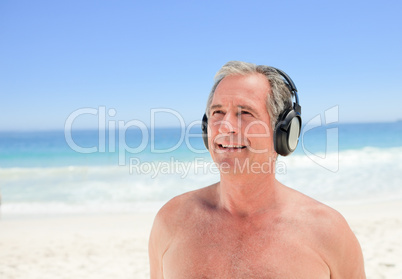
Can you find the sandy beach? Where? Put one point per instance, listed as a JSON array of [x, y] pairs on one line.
[[91, 246], [115, 245]]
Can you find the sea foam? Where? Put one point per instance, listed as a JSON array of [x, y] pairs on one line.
[[350, 175]]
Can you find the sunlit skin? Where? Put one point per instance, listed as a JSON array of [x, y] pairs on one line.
[[238, 117], [249, 225]]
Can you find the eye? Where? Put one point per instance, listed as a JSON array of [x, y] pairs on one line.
[[217, 112], [244, 112]]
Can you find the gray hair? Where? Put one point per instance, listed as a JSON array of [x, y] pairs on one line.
[[278, 101]]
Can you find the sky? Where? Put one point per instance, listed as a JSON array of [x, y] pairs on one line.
[[86, 62]]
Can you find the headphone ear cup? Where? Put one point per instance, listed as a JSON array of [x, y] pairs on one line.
[[279, 135], [204, 128], [287, 132]]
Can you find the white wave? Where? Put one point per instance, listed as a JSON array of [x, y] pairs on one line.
[[366, 174], [369, 173]]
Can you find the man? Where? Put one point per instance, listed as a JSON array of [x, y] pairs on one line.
[[249, 225]]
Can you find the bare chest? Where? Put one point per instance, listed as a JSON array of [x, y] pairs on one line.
[[226, 251]]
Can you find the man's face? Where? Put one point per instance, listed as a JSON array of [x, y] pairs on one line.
[[239, 124]]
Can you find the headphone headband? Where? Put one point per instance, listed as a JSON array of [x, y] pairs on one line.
[[290, 83]]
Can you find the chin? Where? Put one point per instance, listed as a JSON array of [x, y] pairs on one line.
[[232, 164]]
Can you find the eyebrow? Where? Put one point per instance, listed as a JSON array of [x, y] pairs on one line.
[[215, 107], [245, 107], [249, 109]]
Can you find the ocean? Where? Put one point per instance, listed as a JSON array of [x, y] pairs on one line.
[[91, 171]]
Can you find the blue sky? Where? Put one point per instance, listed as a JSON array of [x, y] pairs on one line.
[[134, 56]]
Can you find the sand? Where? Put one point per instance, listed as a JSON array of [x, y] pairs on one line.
[[115, 245], [104, 246]]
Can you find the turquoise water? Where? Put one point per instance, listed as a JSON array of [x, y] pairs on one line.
[[50, 149], [41, 173]]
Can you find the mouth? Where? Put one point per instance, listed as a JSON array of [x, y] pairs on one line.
[[231, 147]]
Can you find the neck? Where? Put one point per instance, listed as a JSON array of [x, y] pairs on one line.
[[248, 195]]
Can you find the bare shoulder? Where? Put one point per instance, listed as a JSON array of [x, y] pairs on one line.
[[169, 220], [170, 217], [339, 244], [186, 204], [311, 211], [331, 235]]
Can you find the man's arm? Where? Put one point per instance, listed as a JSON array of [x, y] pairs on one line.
[[161, 236], [345, 254], [154, 250]]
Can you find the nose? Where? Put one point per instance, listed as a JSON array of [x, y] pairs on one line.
[[229, 124]]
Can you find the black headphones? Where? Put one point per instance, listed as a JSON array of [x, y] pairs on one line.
[[287, 128]]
